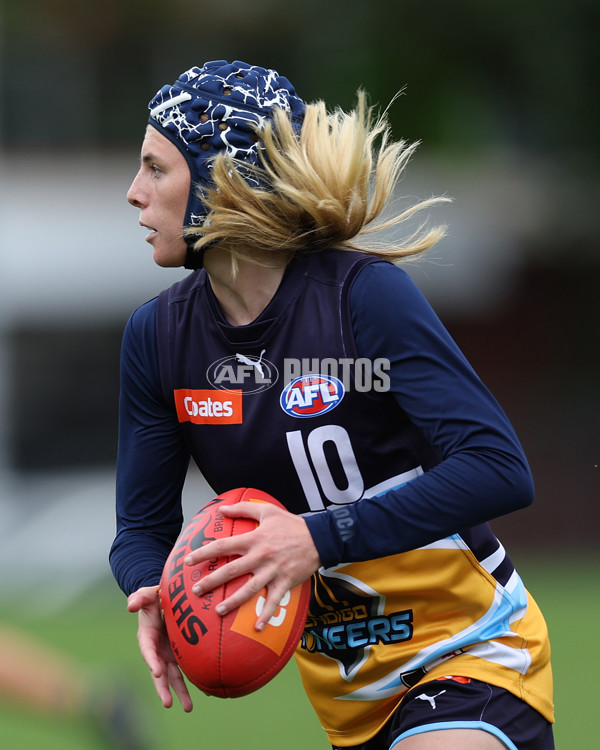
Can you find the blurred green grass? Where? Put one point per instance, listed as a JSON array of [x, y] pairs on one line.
[[97, 631]]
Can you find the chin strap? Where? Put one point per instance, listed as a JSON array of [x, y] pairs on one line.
[[194, 259]]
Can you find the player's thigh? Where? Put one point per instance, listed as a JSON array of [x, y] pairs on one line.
[[451, 739]]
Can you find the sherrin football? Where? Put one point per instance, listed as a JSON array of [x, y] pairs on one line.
[[225, 655]]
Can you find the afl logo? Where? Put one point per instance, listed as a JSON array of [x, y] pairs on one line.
[[311, 395], [240, 372]]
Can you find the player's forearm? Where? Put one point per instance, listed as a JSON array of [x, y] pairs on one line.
[[461, 492]]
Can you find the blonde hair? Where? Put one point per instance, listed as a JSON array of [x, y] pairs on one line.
[[325, 188]]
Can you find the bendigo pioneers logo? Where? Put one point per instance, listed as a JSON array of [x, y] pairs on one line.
[[347, 618], [311, 395], [204, 406]]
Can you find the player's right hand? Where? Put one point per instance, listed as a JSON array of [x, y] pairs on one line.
[[156, 649]]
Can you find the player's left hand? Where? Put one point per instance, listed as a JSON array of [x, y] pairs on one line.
[[279, 554], [156, 649]]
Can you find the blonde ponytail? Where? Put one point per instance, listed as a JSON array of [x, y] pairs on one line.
[[327, 187]]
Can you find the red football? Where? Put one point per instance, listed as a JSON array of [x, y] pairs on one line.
[[225, 655]]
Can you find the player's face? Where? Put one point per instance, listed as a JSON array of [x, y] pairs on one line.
[[160, 190]]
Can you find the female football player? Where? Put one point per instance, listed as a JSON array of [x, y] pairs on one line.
[[298, 358]]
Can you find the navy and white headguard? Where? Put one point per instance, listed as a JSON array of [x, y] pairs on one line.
[[218, 108]]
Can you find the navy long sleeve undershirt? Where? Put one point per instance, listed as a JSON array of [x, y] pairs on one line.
[[483, 473], [152, 461]]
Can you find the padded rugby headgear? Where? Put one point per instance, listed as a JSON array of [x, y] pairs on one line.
[[218, 108]]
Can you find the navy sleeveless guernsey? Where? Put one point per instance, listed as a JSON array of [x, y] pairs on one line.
[[330, 437]]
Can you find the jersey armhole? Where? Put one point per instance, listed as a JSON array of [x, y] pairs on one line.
[[163, 344], [348, 332], [349, 340]]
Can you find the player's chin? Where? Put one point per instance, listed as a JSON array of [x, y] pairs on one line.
[[168, 258]]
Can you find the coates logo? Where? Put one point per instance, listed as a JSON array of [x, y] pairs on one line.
[[311, 395], [203, 406], [239, 372]]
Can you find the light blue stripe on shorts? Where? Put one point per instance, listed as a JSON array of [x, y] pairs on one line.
[[458, 725]]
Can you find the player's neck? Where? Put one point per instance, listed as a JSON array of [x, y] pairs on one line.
[[244, 295]]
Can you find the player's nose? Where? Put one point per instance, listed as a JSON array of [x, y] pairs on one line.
[[135, 194]]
